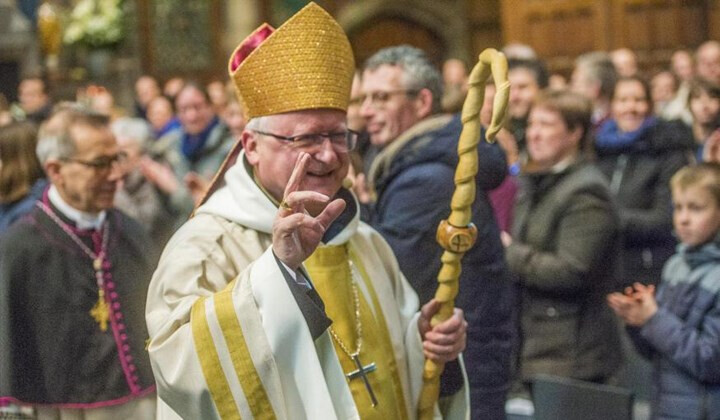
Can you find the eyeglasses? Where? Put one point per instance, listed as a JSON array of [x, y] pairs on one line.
[[101, 164], [342, 141], [380, 98]]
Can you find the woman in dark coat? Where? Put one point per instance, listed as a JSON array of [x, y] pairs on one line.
[[562, 250], [21, 176], [638, 155], [704, 104]]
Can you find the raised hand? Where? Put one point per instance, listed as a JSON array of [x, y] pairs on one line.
[[296, 233]]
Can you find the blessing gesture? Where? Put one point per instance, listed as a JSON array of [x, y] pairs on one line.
[[296, 233]]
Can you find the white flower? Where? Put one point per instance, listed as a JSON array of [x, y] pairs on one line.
[[95, 23]]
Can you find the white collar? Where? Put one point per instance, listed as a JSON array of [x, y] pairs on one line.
[[82, 219]]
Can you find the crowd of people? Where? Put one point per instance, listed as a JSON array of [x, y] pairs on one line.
[[600, 190]]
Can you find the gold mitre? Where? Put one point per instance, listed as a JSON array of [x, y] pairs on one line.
[[307, 63]]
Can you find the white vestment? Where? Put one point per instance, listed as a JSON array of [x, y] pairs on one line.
[[223, 256]]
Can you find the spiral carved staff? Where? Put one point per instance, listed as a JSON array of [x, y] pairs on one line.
[[457, 233]]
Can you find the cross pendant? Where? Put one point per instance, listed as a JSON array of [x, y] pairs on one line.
[[101, 312], [362, 372]]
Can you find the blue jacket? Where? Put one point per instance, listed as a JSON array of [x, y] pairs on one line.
[[683, 338], [414, 185], [10, 212]]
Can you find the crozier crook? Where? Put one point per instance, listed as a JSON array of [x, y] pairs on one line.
[[457, 233]]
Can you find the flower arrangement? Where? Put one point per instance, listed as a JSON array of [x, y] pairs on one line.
[[95, 24]]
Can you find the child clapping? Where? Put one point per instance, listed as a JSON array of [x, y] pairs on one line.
[[679, 330]]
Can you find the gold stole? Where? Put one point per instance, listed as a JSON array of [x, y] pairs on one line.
[[329, 271]]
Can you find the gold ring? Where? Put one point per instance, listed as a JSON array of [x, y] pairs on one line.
[[285, 206]]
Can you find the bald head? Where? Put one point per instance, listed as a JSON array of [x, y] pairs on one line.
[[682, 65], [625, 62], [708, 61]]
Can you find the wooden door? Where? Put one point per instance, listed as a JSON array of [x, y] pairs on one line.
[[390, 31]]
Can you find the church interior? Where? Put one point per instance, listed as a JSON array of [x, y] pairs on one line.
[[193, 39], [167, 38]]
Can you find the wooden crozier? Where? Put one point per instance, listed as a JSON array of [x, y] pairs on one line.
[[457, 234]]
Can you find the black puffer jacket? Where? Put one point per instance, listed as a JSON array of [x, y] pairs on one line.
[[639, 176], [414, 184]]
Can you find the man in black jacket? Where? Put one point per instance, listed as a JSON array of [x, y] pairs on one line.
[[74, 275], [411, 180]]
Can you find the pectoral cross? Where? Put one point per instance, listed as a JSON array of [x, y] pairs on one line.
[[362, 372], [101, 311]]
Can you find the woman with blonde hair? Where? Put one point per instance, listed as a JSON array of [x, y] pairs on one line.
[[21, 176]]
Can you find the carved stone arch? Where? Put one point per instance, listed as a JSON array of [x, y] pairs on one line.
[[438, 24]]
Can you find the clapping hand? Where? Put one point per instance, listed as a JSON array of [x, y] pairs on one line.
[[711, 152], [160, 175], [197, 186], [636, 305], [296, 233], [359, 185]]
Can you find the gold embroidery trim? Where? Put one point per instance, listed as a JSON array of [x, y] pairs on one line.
[[210, 363], [248, 376], [383, 330]]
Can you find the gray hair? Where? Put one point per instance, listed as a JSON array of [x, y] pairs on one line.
[[256, 124], [600, 69], [135, 129], [54, 139], [418, 72]]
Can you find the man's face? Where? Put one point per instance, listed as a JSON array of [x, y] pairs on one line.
[[159, 112], [81, 182], [581, 83], [274, 159], [663, 88], [625, 62], [32, 95], [146, 89], [234, 118], [682, 65], [454, 73], [216, 91], [389, 109], [523, 90], [194, 111], [708, 63]]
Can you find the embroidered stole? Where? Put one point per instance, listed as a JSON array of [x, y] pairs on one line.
[[329, 270]]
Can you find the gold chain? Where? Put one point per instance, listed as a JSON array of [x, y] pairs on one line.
[[358, 322]]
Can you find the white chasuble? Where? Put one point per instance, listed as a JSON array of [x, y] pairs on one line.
[[228, 339]]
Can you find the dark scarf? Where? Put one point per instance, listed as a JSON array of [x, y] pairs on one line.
[[609, 136], [192, 144]]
